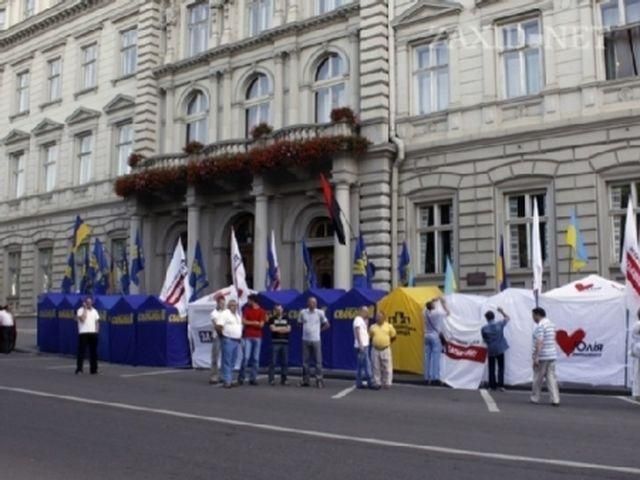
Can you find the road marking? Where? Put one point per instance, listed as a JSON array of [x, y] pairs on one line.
[[155, 372], [488, 399], [629, 400], [505, 457], [344, 392], [59, 367]]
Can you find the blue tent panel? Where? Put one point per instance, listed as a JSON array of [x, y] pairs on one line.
[[68, 324], [178, 349], [47, 322], [151, 333], [105, 305]]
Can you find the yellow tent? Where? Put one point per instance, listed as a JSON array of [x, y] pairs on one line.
[[404, 308]]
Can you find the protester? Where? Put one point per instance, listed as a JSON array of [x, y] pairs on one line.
[[253, 319], [229, 328], [214, 378], [280, 329], [88, 328], [313, 322], [7, 329], [433, 336], [635, 353], [361, 345], [382, 336], [493, 336], [544, 357]]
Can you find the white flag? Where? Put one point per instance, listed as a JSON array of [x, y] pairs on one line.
[[175, 290], [536, 256], [630, 262], [238, 273]]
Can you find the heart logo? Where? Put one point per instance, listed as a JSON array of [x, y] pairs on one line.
[[568, 343], [581, 287]]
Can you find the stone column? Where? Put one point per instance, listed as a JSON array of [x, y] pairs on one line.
[[214, 80], [344, 174], [193, 223], [226, 106], [169, 126], [294, 87], [292, 13], [261, 225], [278, 91], [278, 13]]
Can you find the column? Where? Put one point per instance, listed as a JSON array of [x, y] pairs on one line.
[[213, 105], [292, 13], [135, 226], [226, 106], [294, 87], [278, 91], [193, 223], [261, 225], [278, 14], [354, 70], [341, 253], [169, 126]]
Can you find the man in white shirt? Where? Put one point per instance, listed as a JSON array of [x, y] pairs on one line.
[[87, 335], [7, 330], [361, 344], [544, 357], [229, 328], [314, 322], [215, 341]]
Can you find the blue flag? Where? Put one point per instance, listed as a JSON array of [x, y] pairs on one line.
[[310, 274], [101, 267], [137, 261], [363, 270], [123, 265], [272, 280], [86, 282], [198, 276], [405, 273], [69, 279]]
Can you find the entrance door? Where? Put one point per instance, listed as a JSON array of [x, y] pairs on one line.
[[320, 244]]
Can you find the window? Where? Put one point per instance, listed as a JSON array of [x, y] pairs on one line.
[[197, 111], [49, 167], [259, 16], [45, 269], [17, 163], [431, 75], [3, 18], [124, 147], [29, 8], [522, 58], [330, 88], [198, 28], [85, 147], [13, 263], [619, 196], [22, 82], [519, 225], [89, 66], [257, 102], [621, 38], [435, 230], [54, 79], [324, 6], [320, 228], [128, 52]]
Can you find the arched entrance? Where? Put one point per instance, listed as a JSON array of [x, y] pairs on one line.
[[243, 225], [320, 243]]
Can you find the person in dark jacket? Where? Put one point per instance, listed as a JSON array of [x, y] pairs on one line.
[[493, 336]]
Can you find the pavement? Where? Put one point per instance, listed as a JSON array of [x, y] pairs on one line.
[[153, 423]]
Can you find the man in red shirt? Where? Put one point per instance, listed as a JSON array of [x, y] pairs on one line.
[[253, 319]]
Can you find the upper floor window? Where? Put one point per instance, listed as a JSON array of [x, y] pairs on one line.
[[431, 75], [197, 112], [17, 174], [260, 12], [128, 52], [50, 159], [519, 223], [54, 79], [29, 8], [85, 157], [22, 91], [3, 19], [89, 66], [620, 194], [124, 147], [330, 87], [198, 28], [435, 232], [257, 102], [324, 6], [45, 269], [522, 58], [621, 38], [14, 258]]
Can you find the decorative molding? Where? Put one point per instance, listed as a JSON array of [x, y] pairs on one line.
[[82, 115], [16, 136], [426, 10], [119, 102], [45, 126], [21, 60]]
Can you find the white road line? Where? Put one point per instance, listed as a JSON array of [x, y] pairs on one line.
[[60, 367], [505, 457], [155, 372], [629, 400], [344, 392], [488, 399]]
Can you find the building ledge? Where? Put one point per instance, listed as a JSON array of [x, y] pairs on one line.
[[16, 116], [85, 91], [123, 78], [46, 105]]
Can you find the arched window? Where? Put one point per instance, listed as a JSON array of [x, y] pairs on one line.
[[196, 117], [320, 228], [320, 244], [329, 86], [257, 102]]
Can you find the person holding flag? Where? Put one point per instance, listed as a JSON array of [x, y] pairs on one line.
[[137, 260], [433, 336], [273, 269], [198, 276]]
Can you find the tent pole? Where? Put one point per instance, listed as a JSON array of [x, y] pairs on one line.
[[626, 350]]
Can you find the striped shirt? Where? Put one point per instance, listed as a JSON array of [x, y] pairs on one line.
[[545, 330]]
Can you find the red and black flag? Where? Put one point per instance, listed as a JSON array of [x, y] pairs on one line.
[[333, 208]]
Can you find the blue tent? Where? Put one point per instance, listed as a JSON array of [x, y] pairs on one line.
[[104, 304], [268, 301], [341, 315], [325, 298], [68, 324], [48, 333], [161, 335], [122, 329]]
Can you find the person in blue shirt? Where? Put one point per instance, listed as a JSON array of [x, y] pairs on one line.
[[493, 336]]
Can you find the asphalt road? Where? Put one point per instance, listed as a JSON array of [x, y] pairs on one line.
[[139, 423]]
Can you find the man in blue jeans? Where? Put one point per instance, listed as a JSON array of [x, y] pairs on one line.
[[253, 319], [229, 328], [493, 336], [433, 329], [361, 344]]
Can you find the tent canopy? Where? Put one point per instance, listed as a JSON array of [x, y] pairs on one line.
[[325, 297], [268, 300], [588, 289]]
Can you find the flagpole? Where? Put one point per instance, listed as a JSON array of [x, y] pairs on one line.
[[570, 262]]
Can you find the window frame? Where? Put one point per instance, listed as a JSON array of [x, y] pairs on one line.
[[83, 156], [54, 77], [257, 103], [49, 166], [17, 173], [88, 65], [122, 161], [613, 258], [28, 8], [198, 27], [41, 248], [199, 118], [528, 221], [23, 93], [13, 287], [432, 71], [3, 18], [437, 229], [521, 49], [128, 66], [333, 4], [265, 14], [328, 84]]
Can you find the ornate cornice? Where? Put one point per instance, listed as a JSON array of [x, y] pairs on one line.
[[265, 38]]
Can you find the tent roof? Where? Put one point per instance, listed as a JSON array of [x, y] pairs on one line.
[[107, 301], [54, 298], [588, 288], [325, 297], [283, 297], [419, 295], [359, 297], [136, 300]]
